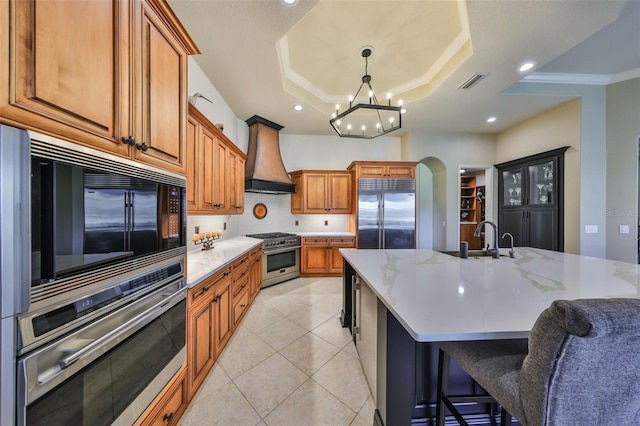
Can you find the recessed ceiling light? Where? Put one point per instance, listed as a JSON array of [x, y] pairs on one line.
[[526, 66], [297, 107], [289, 1], [491, 119], [462, 170]]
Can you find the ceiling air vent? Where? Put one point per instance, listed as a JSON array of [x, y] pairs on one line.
[[473, 80]]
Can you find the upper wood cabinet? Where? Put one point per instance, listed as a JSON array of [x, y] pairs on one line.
[[108, 74], [384, 169], [215, 171], [322, 191]]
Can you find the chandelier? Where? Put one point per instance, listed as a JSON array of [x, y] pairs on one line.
[[364, 119]]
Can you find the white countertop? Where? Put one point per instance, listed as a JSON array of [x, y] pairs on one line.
[[437, 297], [326, 234], [203, 263]]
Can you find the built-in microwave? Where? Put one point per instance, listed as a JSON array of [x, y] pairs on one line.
[[92, 218]]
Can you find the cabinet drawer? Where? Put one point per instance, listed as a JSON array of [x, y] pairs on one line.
[[241, 303], [240, 284], [315, 241], [342, 242], [199, 292], [170, 406]]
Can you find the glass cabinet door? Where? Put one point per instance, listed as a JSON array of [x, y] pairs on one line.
[[541, 190], [512, 187]]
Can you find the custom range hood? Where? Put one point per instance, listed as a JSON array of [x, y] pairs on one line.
[[264, 170]]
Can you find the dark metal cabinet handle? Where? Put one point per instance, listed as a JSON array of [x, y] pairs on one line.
[[129, 140], [142, 146], [167, 417]]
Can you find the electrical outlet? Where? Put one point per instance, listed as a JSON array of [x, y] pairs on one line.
[[197, 229], [296, 223], [326, 223], [591, 229], [224, 226], [624, 229]]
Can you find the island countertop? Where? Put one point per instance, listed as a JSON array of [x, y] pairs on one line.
[[204, 263], [437, 297]]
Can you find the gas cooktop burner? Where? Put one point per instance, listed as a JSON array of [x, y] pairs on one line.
[[268, 235]]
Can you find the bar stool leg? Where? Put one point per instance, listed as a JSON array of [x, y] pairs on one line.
[[505, 417], [443, 383]]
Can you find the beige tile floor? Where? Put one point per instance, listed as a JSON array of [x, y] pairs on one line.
[[290, 362]]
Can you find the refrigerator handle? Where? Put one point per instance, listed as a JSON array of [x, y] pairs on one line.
[[381, 240]]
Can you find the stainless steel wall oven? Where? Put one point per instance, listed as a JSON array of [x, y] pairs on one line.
[[92, 276]]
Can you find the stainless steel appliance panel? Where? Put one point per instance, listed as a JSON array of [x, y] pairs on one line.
[[386, 213], [98, 373], [280, 265], [14, 256]]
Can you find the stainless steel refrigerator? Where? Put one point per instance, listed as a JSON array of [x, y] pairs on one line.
[[386, 213]]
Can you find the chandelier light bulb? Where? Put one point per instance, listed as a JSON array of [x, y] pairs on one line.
[[334, 115], [391, 120], [389, 98], [370, 93], [338, 123], [348, 126], [402, 111], [364, 127], [400, 102], [350, 98]]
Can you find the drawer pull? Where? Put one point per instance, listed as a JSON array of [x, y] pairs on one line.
[[167, 417]]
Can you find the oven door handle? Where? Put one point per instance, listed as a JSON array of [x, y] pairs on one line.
[[282, 250], [125, 330]]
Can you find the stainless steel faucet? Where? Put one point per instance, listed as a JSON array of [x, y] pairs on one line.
[[495, 252], [512, 253]]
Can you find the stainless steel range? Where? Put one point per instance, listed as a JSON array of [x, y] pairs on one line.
[[281, 257]]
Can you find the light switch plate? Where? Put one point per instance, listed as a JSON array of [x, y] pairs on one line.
[[624, 229], [591, 229]]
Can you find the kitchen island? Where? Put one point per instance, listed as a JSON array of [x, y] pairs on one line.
[[402, 302]]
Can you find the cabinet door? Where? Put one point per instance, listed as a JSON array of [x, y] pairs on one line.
[[315, 256], [512, 194], [339, 193], [205, 165], [201, 345], [193, 158], [315, 192], [255, 273], [335, 258], [541, 184], [163, 105], [405, 172], [372, 171], [171, 404], [220, 187], [297, 198], [222, 316], [542, 228], [236, 182], [512, 221], [68, 69]]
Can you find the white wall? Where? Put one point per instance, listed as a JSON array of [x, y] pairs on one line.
[[623, 133], [554, 128], [592, 180], [451, 150]]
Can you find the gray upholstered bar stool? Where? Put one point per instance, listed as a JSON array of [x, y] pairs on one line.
[[582, 366]]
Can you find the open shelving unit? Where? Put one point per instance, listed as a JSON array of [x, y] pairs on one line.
[[470, 212]]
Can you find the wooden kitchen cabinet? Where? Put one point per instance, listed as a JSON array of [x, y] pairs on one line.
[[209, 325], [170, 404], [215, 174], [321, 256], [255, 272], [240, 287], [108, 74], [322, 192], [384, 169]]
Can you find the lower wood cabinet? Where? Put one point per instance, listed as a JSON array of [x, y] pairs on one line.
[[209, 325], [255, 272], [171, 403], [321, 255]]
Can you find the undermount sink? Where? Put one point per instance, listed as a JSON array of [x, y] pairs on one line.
[[472, 253]]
